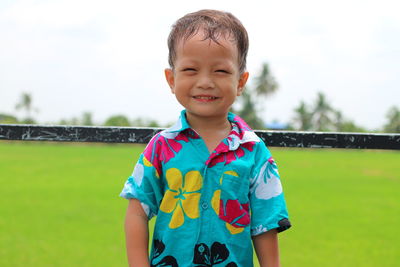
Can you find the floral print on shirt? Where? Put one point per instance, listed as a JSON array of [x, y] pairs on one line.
[[207, 205], [182, 197], [170, 147], [235, 214]]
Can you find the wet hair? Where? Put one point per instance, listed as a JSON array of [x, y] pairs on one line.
[[214, 24]]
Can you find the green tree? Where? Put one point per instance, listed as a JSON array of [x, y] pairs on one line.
[[25, 103], [322, 114], [349, 126], [339, 120], [393, 117], [342, 124], [249, 111], [63, 122], [152, 123], [72, 121], [28, 121], [8, 119], [251, 101], [117, 120], [87, 118], [323, 117], [303, 117], [140, 122], [265, 83]]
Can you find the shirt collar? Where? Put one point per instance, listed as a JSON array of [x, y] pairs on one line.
[[181, 125], [241, 132]]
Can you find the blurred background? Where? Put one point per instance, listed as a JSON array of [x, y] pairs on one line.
[[314, 65]]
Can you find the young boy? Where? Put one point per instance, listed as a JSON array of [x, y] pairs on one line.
[[209, 179]]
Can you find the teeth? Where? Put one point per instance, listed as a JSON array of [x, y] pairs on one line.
[[205, 97]]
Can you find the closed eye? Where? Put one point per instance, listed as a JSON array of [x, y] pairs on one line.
[[223, 71], [188, 69]]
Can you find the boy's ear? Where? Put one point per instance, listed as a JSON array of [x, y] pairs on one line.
[[169, 76], [242, 82]]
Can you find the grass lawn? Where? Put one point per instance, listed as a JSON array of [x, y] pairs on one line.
[[59, 205]]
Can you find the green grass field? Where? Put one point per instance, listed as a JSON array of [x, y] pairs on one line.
[[59, 205]]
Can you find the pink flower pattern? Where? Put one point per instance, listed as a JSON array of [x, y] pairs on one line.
[[161, 149], [242, 124], [223, 153], [234, 213]]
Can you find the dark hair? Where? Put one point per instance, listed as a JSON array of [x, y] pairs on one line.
[[214, 23]]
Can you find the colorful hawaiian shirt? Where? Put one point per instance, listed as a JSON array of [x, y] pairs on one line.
[[208, 205]]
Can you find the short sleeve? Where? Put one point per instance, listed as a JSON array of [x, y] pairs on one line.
[[145, 185], [267, 202]]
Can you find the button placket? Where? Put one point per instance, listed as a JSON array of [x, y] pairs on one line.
[[204, 204]]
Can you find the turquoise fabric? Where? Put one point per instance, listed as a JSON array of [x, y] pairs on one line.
[[208, 205]]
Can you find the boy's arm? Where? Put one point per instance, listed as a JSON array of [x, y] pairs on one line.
[[267, 249], [137, 235]]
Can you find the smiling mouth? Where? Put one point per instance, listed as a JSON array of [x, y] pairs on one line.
[[205, 98]]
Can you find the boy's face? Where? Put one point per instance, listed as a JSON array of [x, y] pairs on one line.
[[206, 79]]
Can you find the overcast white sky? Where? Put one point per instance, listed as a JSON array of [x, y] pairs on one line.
[[108, 57]]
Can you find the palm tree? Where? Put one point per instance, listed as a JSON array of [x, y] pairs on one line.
[[26, 104], [339, 120], [265, 83], [251, 99], [322, 112], [303, 117], [249, 111]]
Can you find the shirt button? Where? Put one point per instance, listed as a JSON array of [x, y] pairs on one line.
[[204, 205]]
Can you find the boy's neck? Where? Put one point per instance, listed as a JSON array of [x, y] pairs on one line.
[[212, 130], [209, 124]]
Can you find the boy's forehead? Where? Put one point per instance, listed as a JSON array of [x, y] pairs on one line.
[[205, 34], [223, 39], [221, 46]]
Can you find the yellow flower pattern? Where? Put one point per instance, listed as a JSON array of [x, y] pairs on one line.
[[182, 196]]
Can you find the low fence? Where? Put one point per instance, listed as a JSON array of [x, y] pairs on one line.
[[143, 135]]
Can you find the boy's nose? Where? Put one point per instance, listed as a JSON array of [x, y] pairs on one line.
[[205, 82]]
